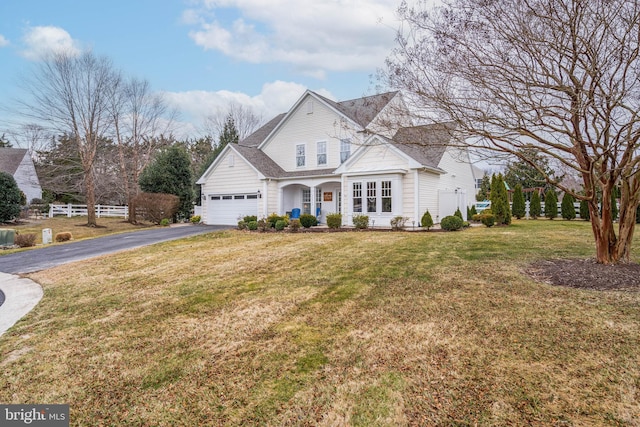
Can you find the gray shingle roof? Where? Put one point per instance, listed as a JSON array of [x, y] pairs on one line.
[[10, 159], [362, 110], [426, 144]]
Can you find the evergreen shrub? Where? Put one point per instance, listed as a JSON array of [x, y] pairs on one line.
[[334, 220], [426, 220], [361, 222], [451, 223], [308, 220], [567, 210]]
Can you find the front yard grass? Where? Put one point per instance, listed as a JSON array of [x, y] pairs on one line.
[[361, 328]]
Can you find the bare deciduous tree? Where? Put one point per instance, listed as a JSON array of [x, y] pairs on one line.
[[558, 76], [245, 120], [70, 94], [140, 117]]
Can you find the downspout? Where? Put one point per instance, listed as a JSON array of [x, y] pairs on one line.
[[416, 196]]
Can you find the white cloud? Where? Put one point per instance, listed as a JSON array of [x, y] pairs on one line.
[[41, 41], [275, 98], [3, 41], [314, 36]]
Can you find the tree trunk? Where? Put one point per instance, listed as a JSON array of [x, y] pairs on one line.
[[91, 197]]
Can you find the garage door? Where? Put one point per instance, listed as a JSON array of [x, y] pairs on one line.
[[227, 209]]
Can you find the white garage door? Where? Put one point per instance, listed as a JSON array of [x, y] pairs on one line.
[[227, 209]]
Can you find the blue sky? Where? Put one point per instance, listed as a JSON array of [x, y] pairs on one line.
[[203, 54]]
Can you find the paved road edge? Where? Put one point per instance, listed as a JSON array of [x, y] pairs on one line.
[[22, 295]]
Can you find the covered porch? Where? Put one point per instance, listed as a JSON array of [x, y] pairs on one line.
[[316, 197]]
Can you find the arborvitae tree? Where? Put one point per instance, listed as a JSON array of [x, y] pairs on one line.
[[584, 210], [458, 213], [471, 211], [519, 208], [10, 198], [500, 200], [170, 173], [535, 208], [426, 220], [567, 209], [550, 204]]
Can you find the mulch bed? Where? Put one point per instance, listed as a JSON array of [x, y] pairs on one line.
[[587, 274]]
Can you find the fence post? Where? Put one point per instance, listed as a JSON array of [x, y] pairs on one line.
[[69, 210], [98, 211]]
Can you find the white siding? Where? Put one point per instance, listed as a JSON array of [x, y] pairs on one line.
[[27, 179], [459, 173], [227, 179], [428, 190], [380, 157], [323, 124]]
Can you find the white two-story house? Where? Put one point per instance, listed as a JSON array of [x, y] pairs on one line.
[[347, 157]]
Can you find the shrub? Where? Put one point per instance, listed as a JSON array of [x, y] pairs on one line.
[[10, 198], [165, 222], [500, 200], [451, 223], [488, 219], [535, 208], [63, 237], [361, 222], [458, 213], [426, 220], [398, 223], [263, 225], [242, 225], [466, 224], [471, 211], [195, 219], [567, 210], [550, 204], [294, 225], [274, 217], [308, 220], [155, 207], [518, 207], [280, 225], [334, 220], [252, 225], [584, 211], [25, 240], [250, 218]]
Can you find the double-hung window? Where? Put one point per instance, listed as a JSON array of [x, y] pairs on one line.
[[386, 196], [300, 155], [345, 150], [371, 196], [322, 153], [357, 197]]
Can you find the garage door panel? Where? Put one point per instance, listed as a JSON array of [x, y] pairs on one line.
[[227, 209]]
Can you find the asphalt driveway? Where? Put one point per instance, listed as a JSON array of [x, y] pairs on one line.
[[57, 254]]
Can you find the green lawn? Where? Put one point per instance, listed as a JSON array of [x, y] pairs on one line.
[[362, 329]]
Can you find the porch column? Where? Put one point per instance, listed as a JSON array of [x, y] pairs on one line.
[[280, 200], [313, 200]]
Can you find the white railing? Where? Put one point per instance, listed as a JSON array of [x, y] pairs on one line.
[[70, 210]]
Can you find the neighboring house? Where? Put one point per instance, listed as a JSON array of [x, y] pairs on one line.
[[18, 163], [327, 157]]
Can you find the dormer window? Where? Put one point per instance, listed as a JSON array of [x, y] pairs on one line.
[[345, 150], [300, 155]]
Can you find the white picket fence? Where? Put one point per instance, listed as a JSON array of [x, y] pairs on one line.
[[70, 210]]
